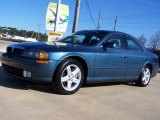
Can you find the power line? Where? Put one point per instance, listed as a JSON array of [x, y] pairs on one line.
[[89, 10], [151, 3], [73, 1], [138, 16]]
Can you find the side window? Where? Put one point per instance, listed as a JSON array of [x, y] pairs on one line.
[[117, 41], [79, 39], [132, 45], [94, 40]]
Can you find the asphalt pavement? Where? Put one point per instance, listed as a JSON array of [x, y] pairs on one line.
[[22, 100], [4, 44]]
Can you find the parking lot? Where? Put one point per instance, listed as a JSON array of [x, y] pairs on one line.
[[22, 100]]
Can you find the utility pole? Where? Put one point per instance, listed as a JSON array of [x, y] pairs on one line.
[[57, 15], [99, 17], [76, 16], [115, 23]]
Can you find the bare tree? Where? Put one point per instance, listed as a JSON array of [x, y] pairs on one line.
[[142, 39], [155, 41]]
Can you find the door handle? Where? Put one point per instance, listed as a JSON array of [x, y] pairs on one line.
[[123, 56]]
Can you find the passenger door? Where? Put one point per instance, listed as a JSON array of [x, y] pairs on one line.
[[136, 58], [111, 64]]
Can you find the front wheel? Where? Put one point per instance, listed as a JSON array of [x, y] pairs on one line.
[[145, 77], [68, 77]]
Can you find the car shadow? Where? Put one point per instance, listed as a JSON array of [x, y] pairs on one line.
[[13, 83], [10, 82], [108, 84]]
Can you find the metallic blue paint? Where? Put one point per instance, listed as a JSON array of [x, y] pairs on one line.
[[103, 65]]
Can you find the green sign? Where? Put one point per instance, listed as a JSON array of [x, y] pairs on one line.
[[62, 20]]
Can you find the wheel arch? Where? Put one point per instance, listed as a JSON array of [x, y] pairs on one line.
[[149, 65], [80, 60], [139, 82]]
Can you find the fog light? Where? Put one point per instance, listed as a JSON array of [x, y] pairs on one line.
[[26, 74]]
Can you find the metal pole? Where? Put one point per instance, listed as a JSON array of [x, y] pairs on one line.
[[115, 23], [99, 17], [57, 15], [76, 16]]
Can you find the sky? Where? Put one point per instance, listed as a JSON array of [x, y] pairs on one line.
[[135, 17]]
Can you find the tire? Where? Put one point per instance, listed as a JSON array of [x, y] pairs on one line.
[[144, 77], [68, 77]]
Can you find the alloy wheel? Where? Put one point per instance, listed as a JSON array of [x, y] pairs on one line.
[[146, 76], [71, 77]]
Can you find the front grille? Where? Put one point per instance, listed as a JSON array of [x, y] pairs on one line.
[[13, 70], [15, 51]]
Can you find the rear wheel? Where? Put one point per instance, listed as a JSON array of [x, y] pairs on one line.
[[68, 77], [145, 77]]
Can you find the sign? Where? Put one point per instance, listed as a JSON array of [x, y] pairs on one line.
[[62, 20], [53, 36]]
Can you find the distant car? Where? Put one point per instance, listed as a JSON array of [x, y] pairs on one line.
[[92, 56]]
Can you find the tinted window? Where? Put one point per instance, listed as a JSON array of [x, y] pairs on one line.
[[132, 44], [117, 40]]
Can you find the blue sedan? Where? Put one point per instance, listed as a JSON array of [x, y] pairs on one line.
[[92, 56]]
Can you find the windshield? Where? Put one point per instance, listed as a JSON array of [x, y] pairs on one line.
[[84, 37]]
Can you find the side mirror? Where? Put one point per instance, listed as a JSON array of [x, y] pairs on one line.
[[108, 45]]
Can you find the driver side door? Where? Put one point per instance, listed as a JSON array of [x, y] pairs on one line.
[[111, 63]]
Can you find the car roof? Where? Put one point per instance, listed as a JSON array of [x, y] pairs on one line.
[[107, 31]]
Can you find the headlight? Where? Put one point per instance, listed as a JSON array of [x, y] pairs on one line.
[[38, 54], [43, 55]]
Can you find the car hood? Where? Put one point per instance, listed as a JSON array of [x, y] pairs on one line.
[[53, 46]]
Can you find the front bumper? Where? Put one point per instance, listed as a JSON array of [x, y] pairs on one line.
[[15, 66]]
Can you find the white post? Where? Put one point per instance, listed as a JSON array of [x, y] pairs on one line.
[[57, 15]]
